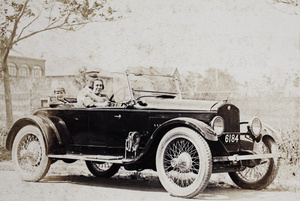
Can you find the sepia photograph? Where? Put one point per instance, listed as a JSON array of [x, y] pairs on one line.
[[149, 100]]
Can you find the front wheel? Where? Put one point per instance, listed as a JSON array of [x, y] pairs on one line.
[[29, 154], [183, 162], [102, 169], [261, 175]]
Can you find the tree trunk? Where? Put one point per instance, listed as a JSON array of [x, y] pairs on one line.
[[8, 99], [7, 91]]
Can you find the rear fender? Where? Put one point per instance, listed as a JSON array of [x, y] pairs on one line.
[[48, 129], [63, 132]]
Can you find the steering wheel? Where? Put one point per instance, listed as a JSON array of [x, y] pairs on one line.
[[111, 101]]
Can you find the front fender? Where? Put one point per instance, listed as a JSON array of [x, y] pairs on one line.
[[202, 128], [270, 131], [267, 130], [48, 129]]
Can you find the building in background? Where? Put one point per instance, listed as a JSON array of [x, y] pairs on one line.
[[25, 67], [30, 84], [23, 71]]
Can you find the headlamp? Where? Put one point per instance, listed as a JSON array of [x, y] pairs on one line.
[[218, 125], [255, 127]]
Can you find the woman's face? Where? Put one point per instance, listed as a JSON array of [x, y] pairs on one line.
[[97, 87]]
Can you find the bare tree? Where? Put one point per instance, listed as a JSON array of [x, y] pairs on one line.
[[21, 19]]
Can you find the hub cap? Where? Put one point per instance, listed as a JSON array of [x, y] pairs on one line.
[[183, 162]]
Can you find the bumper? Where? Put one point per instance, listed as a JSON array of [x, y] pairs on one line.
[[235, 158]]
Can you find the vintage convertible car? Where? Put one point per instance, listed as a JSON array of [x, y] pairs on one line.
[[149, 126]]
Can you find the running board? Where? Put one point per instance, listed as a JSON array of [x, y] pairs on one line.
[[98, 158], [237, 157]]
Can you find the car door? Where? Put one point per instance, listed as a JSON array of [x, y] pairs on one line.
[[106, 127], [76, 121], [137, 120]]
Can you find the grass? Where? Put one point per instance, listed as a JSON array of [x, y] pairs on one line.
[[289, 173], [5, 155]]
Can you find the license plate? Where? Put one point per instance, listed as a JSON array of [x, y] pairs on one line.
[[231, 138]]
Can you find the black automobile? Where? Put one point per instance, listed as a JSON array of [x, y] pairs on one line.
[[148, 125]]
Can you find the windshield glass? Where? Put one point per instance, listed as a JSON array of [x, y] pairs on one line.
[[152, 85], [144, 85]]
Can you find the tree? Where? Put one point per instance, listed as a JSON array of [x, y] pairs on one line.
[[219, 80], [80, 78], [211, 85], [285, 6], [190, 84], [21, 19]]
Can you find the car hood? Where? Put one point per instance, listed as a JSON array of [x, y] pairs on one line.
[[183, 104]]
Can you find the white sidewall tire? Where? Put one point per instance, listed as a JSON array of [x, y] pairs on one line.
[[96, 171], [45, 162], [270, 173], [205, 167]]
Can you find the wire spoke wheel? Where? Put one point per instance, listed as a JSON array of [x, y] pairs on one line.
[[253, 174], [29, 154], [183, 162], [261, 175], [102, 169]]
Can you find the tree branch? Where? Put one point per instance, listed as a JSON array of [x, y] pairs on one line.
[[27, 26], [48, 27], [36, 32], [59, 23], [3, 23], [60, 26], [54, 22], [288, 2], [13, 34], [291, 3]]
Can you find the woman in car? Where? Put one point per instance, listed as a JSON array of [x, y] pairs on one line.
[[91, 96]]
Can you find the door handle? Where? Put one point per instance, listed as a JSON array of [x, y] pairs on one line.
[[118, 116]]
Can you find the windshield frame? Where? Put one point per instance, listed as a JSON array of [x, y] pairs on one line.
[[161, 94]]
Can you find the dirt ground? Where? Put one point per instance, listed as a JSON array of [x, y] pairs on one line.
[[74, 182]]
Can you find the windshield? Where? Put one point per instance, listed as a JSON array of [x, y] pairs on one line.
[[145, 85], [155, 85]]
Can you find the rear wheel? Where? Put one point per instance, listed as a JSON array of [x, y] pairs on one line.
[[29, 154], [183, 162], [102, 169], [262, 175]]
